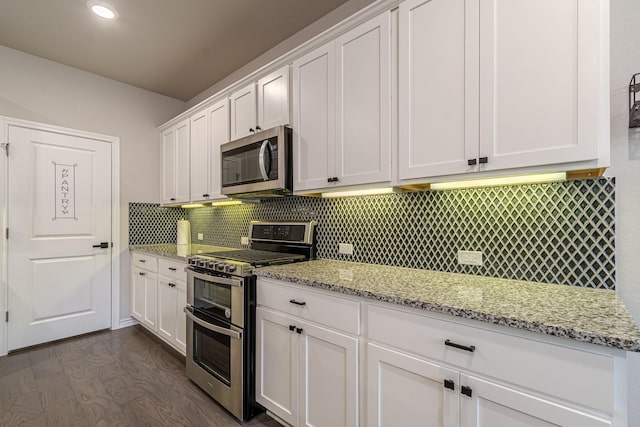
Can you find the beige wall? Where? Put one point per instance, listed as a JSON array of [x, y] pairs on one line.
[[625, 166], [36, 89]]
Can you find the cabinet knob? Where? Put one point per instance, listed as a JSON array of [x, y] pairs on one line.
[[172, 199], [251, 130], [206, 196], [449, 384], [258, 128], [142, 274], [172, 268], [471, 162], [299, 330], [484, 160], [333, 179], [292, 328]]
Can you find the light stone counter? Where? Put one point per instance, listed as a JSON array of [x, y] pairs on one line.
[[180, 252], [584, 314]]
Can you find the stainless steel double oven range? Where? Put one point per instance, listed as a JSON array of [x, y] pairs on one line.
[[221, 301]]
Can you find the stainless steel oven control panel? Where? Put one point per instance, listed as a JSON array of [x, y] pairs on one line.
[[235, 268]]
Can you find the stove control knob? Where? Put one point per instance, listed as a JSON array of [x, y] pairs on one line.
[[202, 263], [211, 265], [193, 261], [231, 268], [221, 266]]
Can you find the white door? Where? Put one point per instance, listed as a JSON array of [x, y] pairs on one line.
[[363, 110], [276, 364], [328, 377], [181, 317], [491, 405], [407, 391], [539, 80], [218, 134], [314, 119], [243, 112], [273, 99], [59, 208], [438, 88], [167, 308], [200, 157], [169, 166]]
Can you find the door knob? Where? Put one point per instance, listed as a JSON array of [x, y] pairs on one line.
[[102, 245]]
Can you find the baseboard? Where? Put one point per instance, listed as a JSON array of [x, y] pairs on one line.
[[125, 323]]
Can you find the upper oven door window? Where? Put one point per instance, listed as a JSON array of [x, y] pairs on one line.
[[219, 297], [251, 163]]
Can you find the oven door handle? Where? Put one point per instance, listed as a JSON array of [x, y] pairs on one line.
[[214, 279], [214, 328]]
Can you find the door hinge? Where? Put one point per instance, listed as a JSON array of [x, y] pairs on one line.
[[5, 146], [6, 233], [6, 316]]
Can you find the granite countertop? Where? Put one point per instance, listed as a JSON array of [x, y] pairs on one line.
[[595, 316], [180, 252]]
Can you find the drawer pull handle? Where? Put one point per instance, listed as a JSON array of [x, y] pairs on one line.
[[142, 260], [449, 384], [292, 301], [470, 348], [172, 268], [466, 390], [142, 274]]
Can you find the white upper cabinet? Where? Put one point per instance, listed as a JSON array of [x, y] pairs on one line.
[[243, 112], [175, 163], [363, 98], [436, 136], [200, 157], [314, 118], [269, 107], [539, 81], [490, 85], [273, 99], [218, 135], [342, 110], [209, 129]]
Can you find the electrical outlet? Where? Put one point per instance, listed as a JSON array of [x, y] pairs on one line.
[[200, 236], [345, 248], [244, 240], [470, 257]]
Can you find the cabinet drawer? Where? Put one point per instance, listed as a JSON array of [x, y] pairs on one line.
[[577, 376], [333, 311], [173, 269], [147, 262]]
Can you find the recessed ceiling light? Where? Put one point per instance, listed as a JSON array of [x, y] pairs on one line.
[[101, 9]]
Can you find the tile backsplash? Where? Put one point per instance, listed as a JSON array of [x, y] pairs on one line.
[[151, 224], [558, 233]]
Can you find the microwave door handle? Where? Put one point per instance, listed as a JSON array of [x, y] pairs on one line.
[[263, 167], [214, 328]]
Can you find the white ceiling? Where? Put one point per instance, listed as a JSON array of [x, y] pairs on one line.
[[174, 47]]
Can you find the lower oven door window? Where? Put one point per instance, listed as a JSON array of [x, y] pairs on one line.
[[216, 348]]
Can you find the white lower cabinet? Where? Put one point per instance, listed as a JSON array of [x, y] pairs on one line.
[[144, 291], [306, 373], [409, 391], [158, 297]]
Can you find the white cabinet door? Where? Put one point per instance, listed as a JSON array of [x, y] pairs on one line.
[[314, 118], [144, 297], [363, 103], [168, 166], [273, 99], [407, 391], [175, 163], [437, 115], [328, 377], [200, 156], [277, 364], [218, 134], [539, 80], [138, 279], [491, 404], [166, 308], [243, 112], [181, 317]]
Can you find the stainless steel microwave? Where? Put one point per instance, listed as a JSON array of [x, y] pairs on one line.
[[258, 165]]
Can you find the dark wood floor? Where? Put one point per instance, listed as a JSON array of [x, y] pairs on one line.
[[109, 378]]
